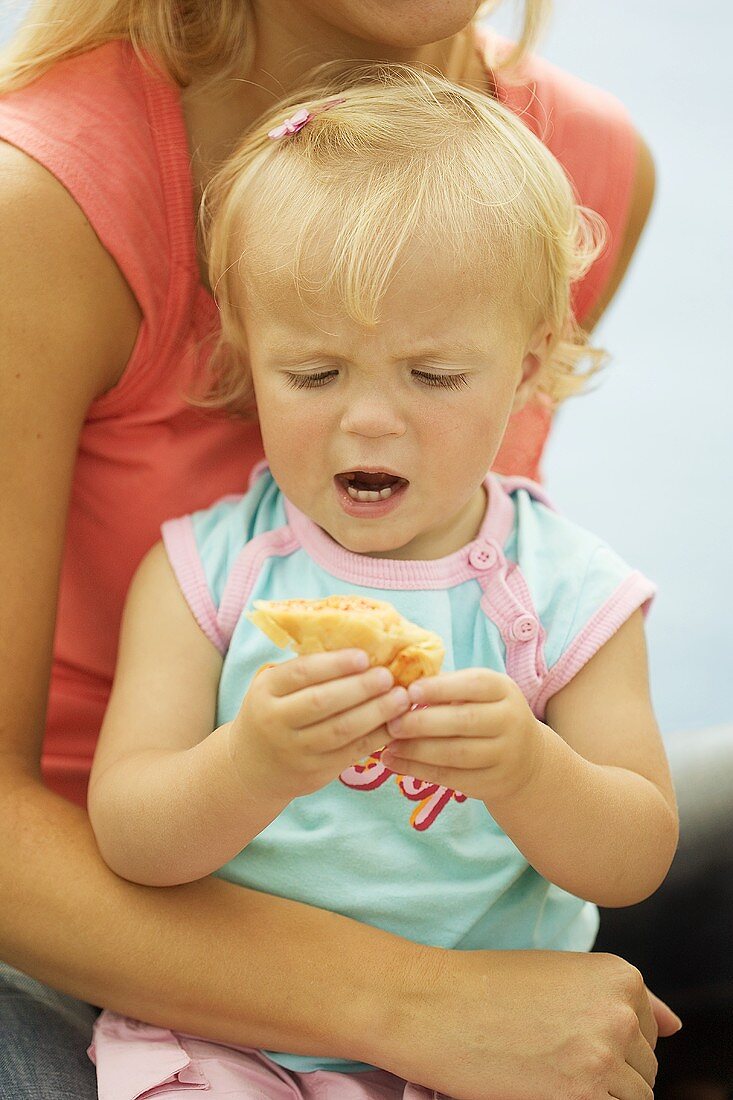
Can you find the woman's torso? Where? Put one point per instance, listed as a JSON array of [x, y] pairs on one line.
[[114, 134]]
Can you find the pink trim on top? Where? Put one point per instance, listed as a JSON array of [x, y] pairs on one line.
[[257, 471], [392, 573], [180, 545], [506, 599], [508, 604], [499, 519], [270, 544], [536, 491], [525, 661], [633, 593]]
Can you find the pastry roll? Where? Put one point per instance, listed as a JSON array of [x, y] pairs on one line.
[[346, 622]]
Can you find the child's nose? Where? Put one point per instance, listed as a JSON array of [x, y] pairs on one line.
[[372, 417]]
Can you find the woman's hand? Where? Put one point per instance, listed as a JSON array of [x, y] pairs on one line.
[[527, 1025], [304, 721], [471, 731]]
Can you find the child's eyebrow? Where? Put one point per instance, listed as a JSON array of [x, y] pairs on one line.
[[298, 356], [294, 352], [447, 352]]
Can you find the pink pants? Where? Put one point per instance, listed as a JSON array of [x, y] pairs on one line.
[[136, 1061]]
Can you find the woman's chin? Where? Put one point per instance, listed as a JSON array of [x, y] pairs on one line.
[[405, 24]]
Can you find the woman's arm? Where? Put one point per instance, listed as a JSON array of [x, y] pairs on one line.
[[642, 197], [175, 957], [67, 323]]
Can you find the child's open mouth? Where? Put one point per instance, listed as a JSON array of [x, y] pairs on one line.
[[367, 485], [369, 492]]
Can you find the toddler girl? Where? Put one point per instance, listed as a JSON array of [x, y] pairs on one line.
[[394, 259]]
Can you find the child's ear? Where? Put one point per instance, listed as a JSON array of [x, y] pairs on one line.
[[535, 356]]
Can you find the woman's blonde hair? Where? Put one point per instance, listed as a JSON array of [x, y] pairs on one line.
[[400, 157], [213, 38]]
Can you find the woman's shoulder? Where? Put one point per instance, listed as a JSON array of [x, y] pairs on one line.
[[110, 131], [66, 313], [592, 135], [99, 92], [561, 108], [87, 119]]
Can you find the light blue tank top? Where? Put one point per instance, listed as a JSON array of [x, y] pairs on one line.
[[533, 595]]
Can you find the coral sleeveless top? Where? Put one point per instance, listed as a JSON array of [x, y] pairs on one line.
[[113, 134]]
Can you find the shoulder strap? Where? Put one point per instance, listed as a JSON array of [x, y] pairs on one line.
[[508, 603], [240, 582], [536, 491], [183, 555], [506, 597]]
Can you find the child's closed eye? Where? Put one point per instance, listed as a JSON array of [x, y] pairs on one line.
[[450, 381], [309, 381], [314, 381]]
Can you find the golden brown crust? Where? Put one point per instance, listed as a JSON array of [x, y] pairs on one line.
[[346, 622]]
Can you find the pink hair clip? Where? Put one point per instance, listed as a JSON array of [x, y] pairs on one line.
[[297, 121]]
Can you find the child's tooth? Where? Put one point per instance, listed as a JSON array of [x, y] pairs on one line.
[[387, 492], [362, 494]]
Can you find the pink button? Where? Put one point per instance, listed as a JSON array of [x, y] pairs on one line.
[[483, 556], [524, 628]]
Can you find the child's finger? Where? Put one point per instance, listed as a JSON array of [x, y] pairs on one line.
[[321, 701], [467, 753], [455, 779], [352, 727], [357, 751], [314, 668], [454, 720], [481, 685]]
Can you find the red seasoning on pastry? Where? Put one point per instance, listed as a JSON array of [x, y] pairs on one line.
[[346, 622]]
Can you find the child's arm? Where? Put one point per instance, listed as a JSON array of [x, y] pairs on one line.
[[603, 788], [171, 801], [593, 809], [600, 817], [164, 806]]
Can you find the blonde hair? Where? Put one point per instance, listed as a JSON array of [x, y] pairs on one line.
[[213, 38], [400, 157]]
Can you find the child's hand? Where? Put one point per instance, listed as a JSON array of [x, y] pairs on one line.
[[474, 732], [304, 721]]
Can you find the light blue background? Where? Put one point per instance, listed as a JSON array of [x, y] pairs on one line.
[[646, 460]]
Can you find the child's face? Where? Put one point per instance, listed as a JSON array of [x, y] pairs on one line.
[[418, 404]]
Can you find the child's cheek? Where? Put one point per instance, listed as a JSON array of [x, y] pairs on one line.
[[296, 434]]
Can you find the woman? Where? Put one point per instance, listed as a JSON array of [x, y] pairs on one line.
[[106, 316]]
